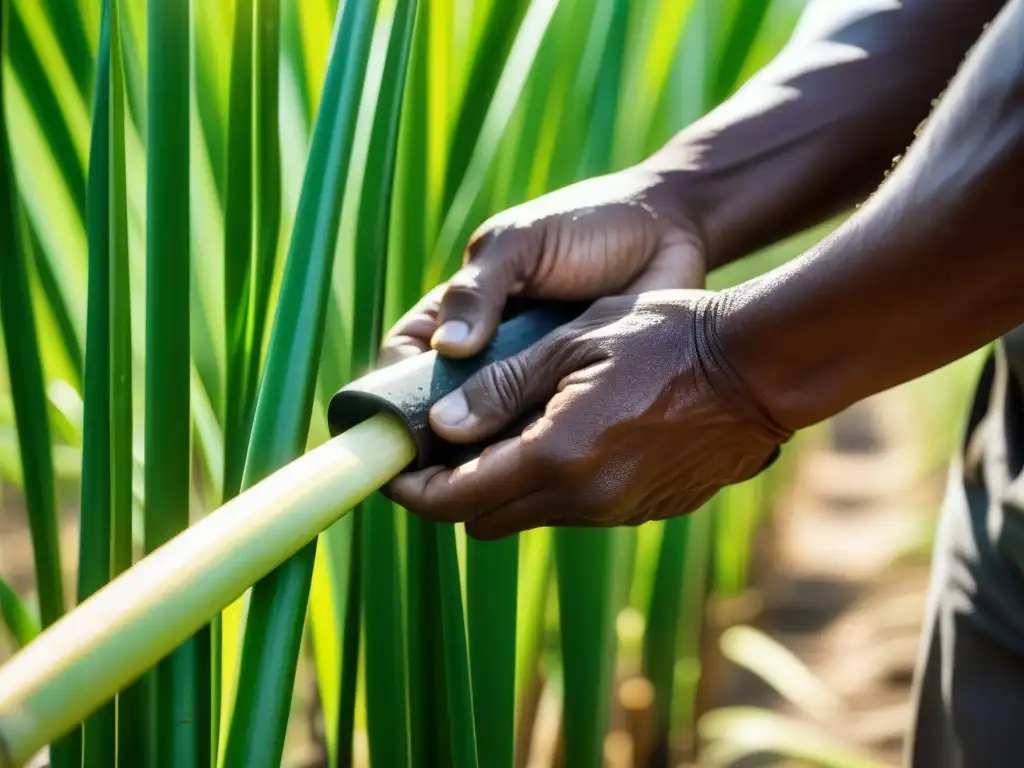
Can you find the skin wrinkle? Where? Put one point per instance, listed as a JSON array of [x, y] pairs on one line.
[[697, 390], [604, 470]]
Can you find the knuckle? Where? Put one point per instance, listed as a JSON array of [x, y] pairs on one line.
[[464, 299], [505, 381], [482, 236], [465, 286], [497, 228]]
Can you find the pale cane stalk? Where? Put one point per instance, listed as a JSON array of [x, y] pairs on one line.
[[133, 622]]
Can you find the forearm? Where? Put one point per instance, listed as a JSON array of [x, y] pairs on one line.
[[814, 131], [930, 268]]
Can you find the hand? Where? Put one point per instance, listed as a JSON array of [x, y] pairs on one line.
[[622, 233], [644, 420]]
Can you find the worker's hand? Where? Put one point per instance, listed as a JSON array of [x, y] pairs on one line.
[[622, 233], [643, 419]]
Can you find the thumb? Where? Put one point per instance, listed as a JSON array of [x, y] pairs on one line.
[[472, 303], [497, 394]]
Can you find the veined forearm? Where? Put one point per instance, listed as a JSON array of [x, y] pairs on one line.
[[814, 131], [930, 268]]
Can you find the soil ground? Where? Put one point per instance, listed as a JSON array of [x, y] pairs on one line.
[[844, 582]]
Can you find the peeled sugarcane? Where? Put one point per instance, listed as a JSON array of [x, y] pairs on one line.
[[97, 649], [380, 427]]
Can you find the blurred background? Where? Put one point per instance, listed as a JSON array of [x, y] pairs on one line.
[[777, 626]]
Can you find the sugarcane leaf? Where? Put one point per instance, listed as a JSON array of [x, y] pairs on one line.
[[95, 532], [484, 70], [587, 597], [181, 682], [238, 245], [386, 695], [462, 216], [458, 684], [28, 392], [492, 570], [664, 614], [21, 624], [748, 17], [278, 604]]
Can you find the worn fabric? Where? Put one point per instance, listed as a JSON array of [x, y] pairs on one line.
[[970, 682]]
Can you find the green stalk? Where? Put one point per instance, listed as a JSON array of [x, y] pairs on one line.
[[94, 548], [572, 75], [387, 703], [253, 206], [408, 249], [56, 119], [351, 631], [28, 391], [278, 604], [428, 685], [484, 73], [181, 694], [607, 89], [253, 200], [587, 598], [57, 304], [67, 22], [463, 215], [131, 623], [131, 705], [458, 685], [16, 617], [428, 723], [534, 589], [212, 27], [238, 247], [267, 190], [492, 570], [663, 617], [746, 23]]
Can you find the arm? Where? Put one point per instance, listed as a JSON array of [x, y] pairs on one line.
[[813, 132], [929, 269], [808, 136], [653, 402]]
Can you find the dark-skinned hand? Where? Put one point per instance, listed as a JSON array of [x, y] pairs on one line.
[[642, 420], [616, 234]]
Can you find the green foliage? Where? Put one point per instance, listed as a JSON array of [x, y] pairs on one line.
[[20, 623], [317, 169], [277, 607]]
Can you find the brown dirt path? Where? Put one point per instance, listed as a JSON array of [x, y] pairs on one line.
[[845, 576]]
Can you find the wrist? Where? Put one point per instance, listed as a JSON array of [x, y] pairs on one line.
[[691, 193], [730, 383], [798, 373]]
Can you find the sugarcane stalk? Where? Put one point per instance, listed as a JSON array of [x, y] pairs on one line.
[[126, 627]]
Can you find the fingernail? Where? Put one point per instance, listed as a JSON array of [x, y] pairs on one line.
[[452, 332], [452, 409]]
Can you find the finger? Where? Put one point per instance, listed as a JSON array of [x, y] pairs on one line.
[[531, 511], [473, 301], [398, 348], [499, 393], [499, 475], [411, 334], [678, 263]]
